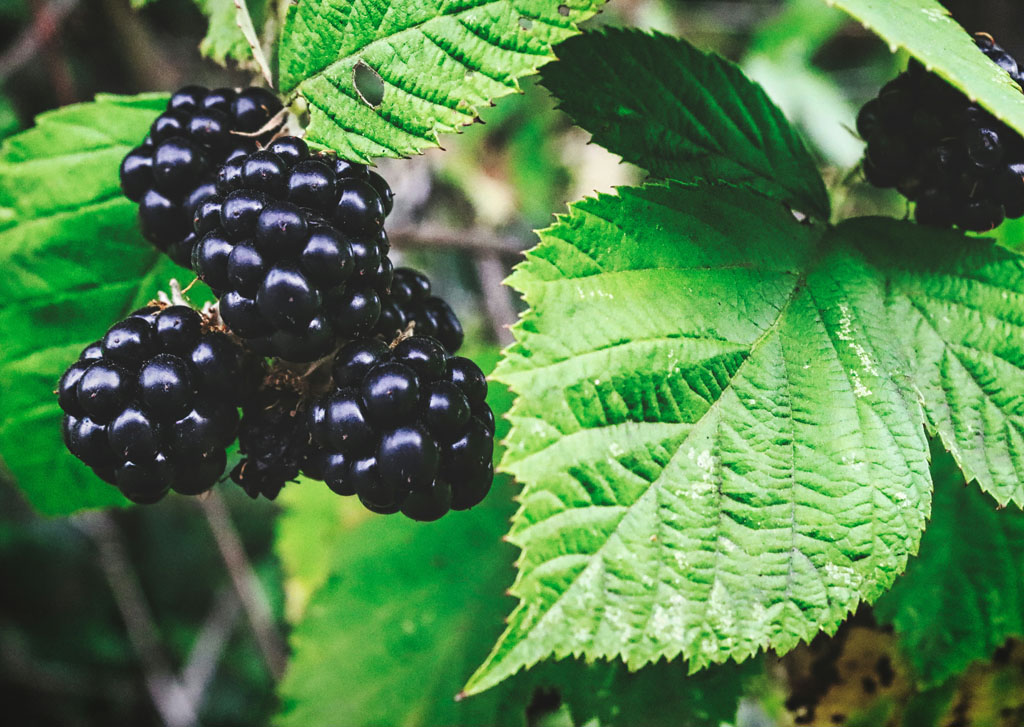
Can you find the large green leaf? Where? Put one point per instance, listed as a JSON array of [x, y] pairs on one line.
[[928, 32], [682, 114], [73, 264], [721, 419], [963, 596], [439, 61]]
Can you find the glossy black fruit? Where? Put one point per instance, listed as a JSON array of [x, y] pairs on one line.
[[952, 157], [411, 301], [175, 169], [407, 428], [153, 405], [298, 259]]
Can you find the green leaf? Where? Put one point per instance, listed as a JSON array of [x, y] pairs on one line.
[[928, 32], [721, 419], [224, 39], [659, 695], [957, 307], [963, 596], [73, 264], [9, 122], [681, 114], [436, 64]]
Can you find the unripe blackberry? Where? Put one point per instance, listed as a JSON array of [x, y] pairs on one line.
[[298, 257], [406, 428], [410, 301], [175, 168], [959, 163], [152, 406]]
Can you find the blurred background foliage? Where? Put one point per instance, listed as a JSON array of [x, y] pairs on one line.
[[66, 657]]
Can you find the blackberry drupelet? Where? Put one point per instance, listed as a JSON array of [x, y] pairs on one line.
[[275, 439], [174, 169], [406, 428], [957, 162], [153, 405], [410, 301], [293, 245]]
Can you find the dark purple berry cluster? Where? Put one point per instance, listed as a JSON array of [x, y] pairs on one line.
[[960, 164], [410, 301], [274, 437], [405, 429], [293, 245], [175, 167], [153, 404]]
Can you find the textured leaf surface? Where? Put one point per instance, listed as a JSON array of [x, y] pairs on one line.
[[721, 419], [926, 30], [224, 40], [963, 596], [682, 114], [73, 263], [440, 61], [406, 610]]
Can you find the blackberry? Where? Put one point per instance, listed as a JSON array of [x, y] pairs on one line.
[[410, 301], [174, 169], [405, 428], [274, 437], [294, 247], [957, 162], [152, 406]]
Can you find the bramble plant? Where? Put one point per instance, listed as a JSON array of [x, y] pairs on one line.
[[733, 416]]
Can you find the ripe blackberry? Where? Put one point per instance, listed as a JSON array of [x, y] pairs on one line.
[[410, 301], [957, 162], [406, 428], [174, 169], [274, 437], [293, 244], [153, 404]]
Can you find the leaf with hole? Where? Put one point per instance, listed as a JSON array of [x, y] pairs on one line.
[[64, 222], [721, 419], [386, 80], [682, 114]]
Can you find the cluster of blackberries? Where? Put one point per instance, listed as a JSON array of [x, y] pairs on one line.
[[174, 168], [294, 247], [406, 429], [410, 301], [960, 164], [292, 244], [275, 440], [154, 404]]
